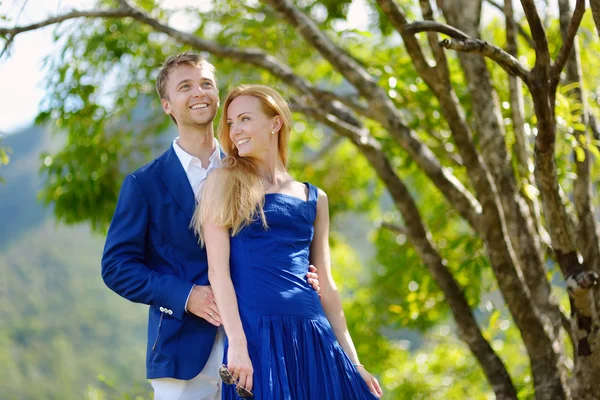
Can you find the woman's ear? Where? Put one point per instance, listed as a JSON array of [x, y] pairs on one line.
[[277, 123]]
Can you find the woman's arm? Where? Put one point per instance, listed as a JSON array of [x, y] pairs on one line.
[[217, 247], [331, 300]]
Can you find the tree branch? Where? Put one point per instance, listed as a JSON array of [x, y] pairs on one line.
[[567, 46], [594, 127], [520, 28], [114, 13], [517, 109], [462, 42], [508, 63], [456, 159], [254, 57], [432, 26], [357, 134], [538, 33], [398, 20], [329, 146], [434, 43], [348, 100], [394, 228], [6, 48], [383, 110], [346, 65], [595, 6], [520, 149]]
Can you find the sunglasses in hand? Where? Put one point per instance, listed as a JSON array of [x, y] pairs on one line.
[[228, 379]]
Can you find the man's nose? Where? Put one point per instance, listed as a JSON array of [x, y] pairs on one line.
[[199, 91]]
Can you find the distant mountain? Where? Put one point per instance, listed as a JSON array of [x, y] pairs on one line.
[[63, 332], [19, 208]]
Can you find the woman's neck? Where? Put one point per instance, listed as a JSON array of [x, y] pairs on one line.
[[272, 174]]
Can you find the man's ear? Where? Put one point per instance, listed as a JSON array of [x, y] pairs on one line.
[[166, 106]]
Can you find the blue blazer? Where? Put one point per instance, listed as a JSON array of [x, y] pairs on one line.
[[151, 256]]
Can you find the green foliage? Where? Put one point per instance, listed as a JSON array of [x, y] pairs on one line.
[[98, 94], [61, 327], [343, 173]]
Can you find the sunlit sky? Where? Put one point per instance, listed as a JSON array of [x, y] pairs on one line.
[[21, 74]]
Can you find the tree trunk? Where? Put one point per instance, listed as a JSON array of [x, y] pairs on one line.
[[585, 320]]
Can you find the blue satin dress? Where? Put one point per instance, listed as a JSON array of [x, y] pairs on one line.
[[293, 350]]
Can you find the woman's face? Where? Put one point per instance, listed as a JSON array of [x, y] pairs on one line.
[[250, 128]]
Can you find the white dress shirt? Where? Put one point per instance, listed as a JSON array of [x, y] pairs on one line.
[[195, 173], [193, 166]]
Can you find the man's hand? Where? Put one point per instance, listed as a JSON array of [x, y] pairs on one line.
[[202, 304], [313, 279]]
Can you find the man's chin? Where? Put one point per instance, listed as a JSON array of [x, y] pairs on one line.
[[204, 121], [200, 122]]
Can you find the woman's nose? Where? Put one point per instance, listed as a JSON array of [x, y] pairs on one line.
[[234, 129]]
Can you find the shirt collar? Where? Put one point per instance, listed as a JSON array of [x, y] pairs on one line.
[[186, 159]]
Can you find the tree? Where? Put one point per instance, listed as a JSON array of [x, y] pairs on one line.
[[517, 180]]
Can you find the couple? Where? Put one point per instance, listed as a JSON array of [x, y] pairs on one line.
[[260, 230]]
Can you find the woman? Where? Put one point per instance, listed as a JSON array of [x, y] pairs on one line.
[[262, 229]]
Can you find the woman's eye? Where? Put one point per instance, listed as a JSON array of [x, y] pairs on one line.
[[229, 124], [245, 118]]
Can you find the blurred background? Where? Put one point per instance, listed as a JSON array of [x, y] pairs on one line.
[[79, 111]]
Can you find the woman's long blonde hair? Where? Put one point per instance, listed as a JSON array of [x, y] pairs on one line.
[[233, 195]]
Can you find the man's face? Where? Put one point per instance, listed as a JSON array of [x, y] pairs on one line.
[[192, 96]]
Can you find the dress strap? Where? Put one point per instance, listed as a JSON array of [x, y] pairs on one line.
[[313, 192], [313, 196]]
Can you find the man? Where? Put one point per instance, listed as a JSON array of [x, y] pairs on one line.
[[152, 256]]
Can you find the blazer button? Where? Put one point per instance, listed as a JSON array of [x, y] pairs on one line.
[[170, 312], [162, 309]]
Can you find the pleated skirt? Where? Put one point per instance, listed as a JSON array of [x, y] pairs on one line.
[[297, 358]]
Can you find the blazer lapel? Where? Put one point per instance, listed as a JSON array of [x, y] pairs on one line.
[[173, 176]]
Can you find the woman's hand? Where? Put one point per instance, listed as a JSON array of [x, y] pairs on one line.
[[239, 364], [313, 279], [371, 381]]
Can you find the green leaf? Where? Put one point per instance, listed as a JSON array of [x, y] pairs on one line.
[[594, 150], [568, 87], [531, 191], [580, 153]]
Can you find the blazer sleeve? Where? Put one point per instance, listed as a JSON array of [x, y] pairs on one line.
[[123, 267]]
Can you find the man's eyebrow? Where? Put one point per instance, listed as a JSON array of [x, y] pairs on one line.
[[183, 81]]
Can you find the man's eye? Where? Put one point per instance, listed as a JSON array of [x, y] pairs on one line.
[[186, 86], [207, 84]]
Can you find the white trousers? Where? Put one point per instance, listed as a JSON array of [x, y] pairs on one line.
[[205, 386]]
